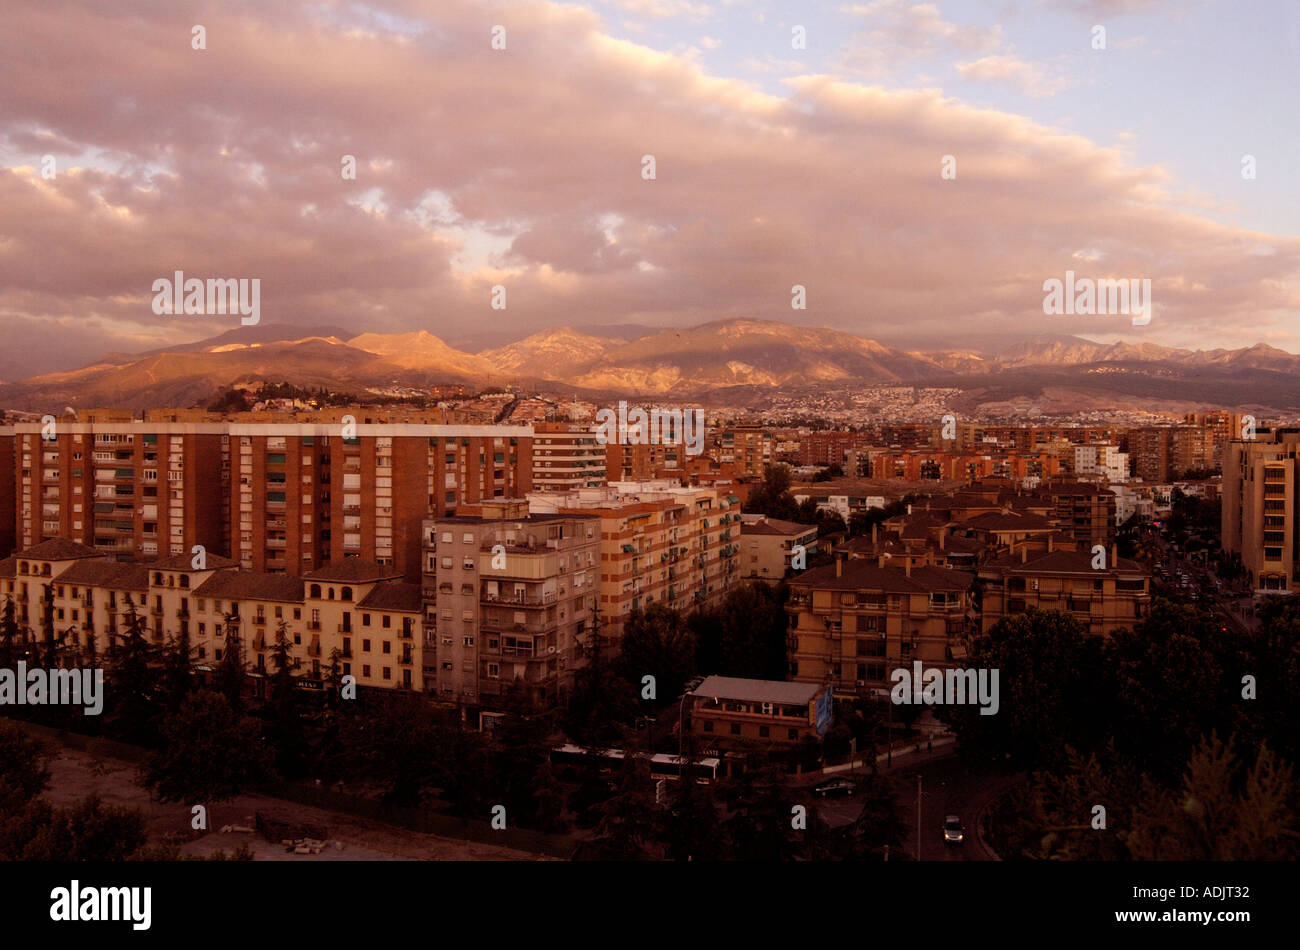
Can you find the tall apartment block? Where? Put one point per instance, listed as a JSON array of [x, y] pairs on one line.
[[509, 597], [132, 490], [275, 497], [1259, 507], [566, 455], [305, 494], [660, 543], [744, 451], [8, 481]]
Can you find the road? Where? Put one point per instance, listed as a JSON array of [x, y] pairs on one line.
[[947, 788]]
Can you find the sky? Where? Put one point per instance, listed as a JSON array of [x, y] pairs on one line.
[[920, 170]]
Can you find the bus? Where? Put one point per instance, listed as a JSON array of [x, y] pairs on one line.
[[610, 762]]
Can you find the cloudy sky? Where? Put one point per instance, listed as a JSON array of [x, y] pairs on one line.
[[793, 143]]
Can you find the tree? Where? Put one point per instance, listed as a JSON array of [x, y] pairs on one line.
[[878, 824], [133, 693], [753, 631], [87, 830], [627, 818], [177, 672], [23, 771], [396, 744], [209, 754], [1048, 670], [759, 826], [285, 728], [230, 674], [656, 642], [773, 497]]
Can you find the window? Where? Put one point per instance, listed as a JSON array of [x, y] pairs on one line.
[[365, 669], [792, 734], [764, 732], [708, 725], [365, 648], [365, 620], [388, 622], [388, 646], [388, 672], [735, 728]]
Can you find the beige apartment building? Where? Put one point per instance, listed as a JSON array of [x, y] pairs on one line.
[[1102, 599], [1259, 507], [660, 543], [854, 621], [509, 598], [769, 545], [359, 608]]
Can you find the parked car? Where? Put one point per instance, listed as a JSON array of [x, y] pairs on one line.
[[835, 787], [953, 833]]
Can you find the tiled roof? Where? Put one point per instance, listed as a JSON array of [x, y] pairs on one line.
[[252, 585], [1060, 562], [757, 691], [107, 573], [775, 526], [8, 567], [353, 570], [393, 595], [864, 574], [58, 549], [183, 562]]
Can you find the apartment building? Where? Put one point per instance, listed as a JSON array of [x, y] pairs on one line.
[[1084, 510], [566, 455], [8, 481], [744, 451], [307, 494], [132, 490], [854, 621], [509, 597], [1101, 461], [1102, 599], [362, 610], [726, 711], [660, 543], [1260, 507], [768, 546]]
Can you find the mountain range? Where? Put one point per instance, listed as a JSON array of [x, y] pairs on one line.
[[739, 361]]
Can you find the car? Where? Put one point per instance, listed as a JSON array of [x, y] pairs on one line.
[[953, 833], [836, 786]]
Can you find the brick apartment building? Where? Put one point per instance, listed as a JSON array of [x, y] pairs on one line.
[[566, 455], [279, 497], [1102, 599]]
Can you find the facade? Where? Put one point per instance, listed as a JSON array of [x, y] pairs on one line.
[[130, 490], [1259, 507], [509, 597], [726, 711], [359, 609], [767, 545], [566, 455], [854, 621], [660, 543], [1102, 599], [278, 497]]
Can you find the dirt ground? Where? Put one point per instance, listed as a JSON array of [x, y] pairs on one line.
[[75, 774]]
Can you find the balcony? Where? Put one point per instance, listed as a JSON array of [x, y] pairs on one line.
[[259, 619], [405, 659], [313, 624]]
